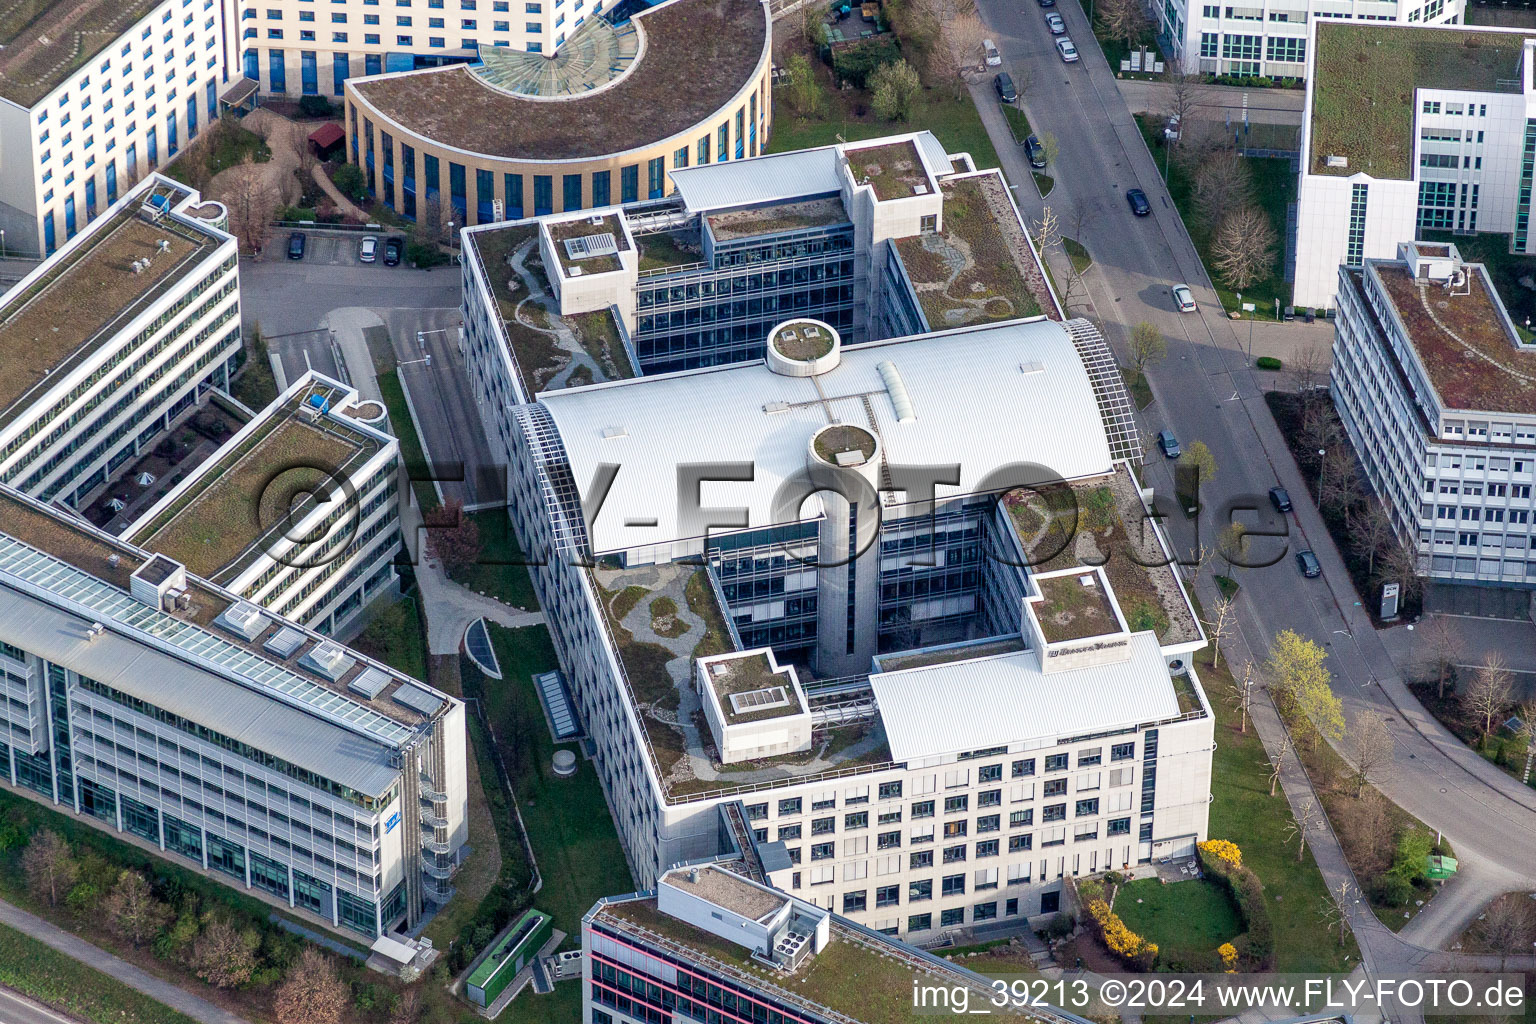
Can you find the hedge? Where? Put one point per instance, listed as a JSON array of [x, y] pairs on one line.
[[1267, 363], [1258, 941]]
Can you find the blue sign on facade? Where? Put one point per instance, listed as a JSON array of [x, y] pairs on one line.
[[389, 826]]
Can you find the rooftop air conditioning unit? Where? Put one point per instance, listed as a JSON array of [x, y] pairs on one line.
[[94, 630]]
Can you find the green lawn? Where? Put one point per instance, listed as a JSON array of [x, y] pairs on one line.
[[1018, 122], [1044, 183], [1274, 185], [1244, 812], [500, 571], [396, 636], [411, 452], [1081, 261], [1196, 915], [1136, 384], [255, 387], [42, 973], [956, 122]]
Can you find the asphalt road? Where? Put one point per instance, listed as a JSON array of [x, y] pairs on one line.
[[1206, 392], [16, 1010]]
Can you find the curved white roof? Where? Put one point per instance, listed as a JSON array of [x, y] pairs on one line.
[[983, 398]]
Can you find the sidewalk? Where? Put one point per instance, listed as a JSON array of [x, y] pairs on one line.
[[163, 991]]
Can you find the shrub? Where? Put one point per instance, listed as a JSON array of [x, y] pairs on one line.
[[1061, 926], [1228, 954], [315, 106], [296, 213], [1223, 848], [349, 179], [1090, 890], [1135, 951], [855, 64], [424, 256], [1393, 891], [1412, 857], [1267, 363], [1258, 942], [895, 87]]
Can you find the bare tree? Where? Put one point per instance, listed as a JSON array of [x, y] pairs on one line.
[[1243, 246], [1527, 734], [1277, 766], [1146, 346], [1373, 745], [1509, 925], [1185, 92], [1124, 21], [50, 868], [1199, 558], [1048, 229], [253, 202], [1218, 626], [1320, 431], [311, 993], [1440, 643], [453, 537], [1372, 528], [1400, 564], [225, 956], [1241, 697], [1335, 907], [1490, 692], [1222, 185], [1341, 484], [1308, 819], [1309, 367], [132, 910]]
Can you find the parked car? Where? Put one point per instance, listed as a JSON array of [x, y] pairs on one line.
[[1307, 562], [1169, 444], [1139, 204], [1055, 24], [1067, 49], [368, 249], [1047, 3], [1003, 83], [1281, 499], [392, 250], [1184, 298], [990, 55], [296, 243], [1035, 150]]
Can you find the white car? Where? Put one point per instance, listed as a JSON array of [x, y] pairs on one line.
[[990, 54], [1184, 298], [368, 249], [1055, 24], [1067, 50]]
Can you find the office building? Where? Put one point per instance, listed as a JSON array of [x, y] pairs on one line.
[[230, 521], [1271, 39], [113, 339], [167, 710], [1407, 130], [1436, 386]]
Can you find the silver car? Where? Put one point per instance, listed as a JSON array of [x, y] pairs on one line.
[[1055, 24], [368, 249], [1068, 51]]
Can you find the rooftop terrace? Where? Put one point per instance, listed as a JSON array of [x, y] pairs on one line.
[[980, 268], [776, 217], [1463, 342], [855, 975], [1104, 521], [1364, 83], [57, 322], [246, 495], [697, 55], [43, 42], [895, 171]]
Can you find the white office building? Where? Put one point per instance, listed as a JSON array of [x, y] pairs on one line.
[[1437, 390], [230, 521], [1407, 130], [1271, 39], [112, 339], [164, 709]]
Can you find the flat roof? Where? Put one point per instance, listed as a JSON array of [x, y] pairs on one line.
[[858, 974], [1363, 86], [992, 702], [749, 673], [728, 891], [973, 404], [43, 42], [1462, 341], [1071, 609], [246, 492], [998, 276], [561, 231], [696, 56], [894, 170], [793, 215], [86, 293]]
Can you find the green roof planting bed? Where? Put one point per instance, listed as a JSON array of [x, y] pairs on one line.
[[42, 42], [1364, 83], [1073, 610], [765, 220], [734, 676], [894, 170], [511, 953], [582, 227]]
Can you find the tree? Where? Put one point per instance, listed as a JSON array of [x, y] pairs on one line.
[[1241, 697], [1335, 907], [349, 179], [1371, 527], [311, 993], [132, 910], [1220, 623], [962, 33], [1373, 746], [894, 87], [1340, 482], [1305, 821], [430, 223], [225, 956], [1050, 145], [253, 202], [1124, 21], [804, 92], [1440, 644], [50, 867], [1147, 345], [1222, 184], [1233, 545], [1400, 565], [1308, 367], [1320, 431], [408, 1009], [1300, 681], [1243, 246], [1197, 458], [453, 538], [1526, 712], [1184, 92], [1509, 926], [1490, 692], [1277, 766]]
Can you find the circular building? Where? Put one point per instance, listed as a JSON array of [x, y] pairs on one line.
[[602, 120]]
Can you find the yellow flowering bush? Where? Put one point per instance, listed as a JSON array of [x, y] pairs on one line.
[[1224, 850], [1119, 939], [1228, 954]]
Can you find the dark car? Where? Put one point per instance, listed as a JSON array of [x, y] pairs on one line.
[[392, 250], [1281, 499], [1307, 562], [296, 244], [1003, 83], [1169, 444], [1035, 150], [1047, 3], [1138, 200]]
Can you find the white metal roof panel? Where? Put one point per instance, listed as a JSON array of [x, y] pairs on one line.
[[167, 682], [764, 179], [971, 405], [992, 702], [933, 152]]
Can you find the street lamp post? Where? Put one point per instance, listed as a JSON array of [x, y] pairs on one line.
[[1322, 469]]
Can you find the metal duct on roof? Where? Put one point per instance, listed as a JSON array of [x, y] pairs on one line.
[[900, 400]]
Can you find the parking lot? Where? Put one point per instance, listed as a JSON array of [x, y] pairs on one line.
[[336, 248]]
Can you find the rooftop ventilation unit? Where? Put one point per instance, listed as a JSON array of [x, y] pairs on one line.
[[589, 247], [243, 619], [284, 642], [920, 189], [329, 659], [369, 683], [417, 699], [775, 408], [1032, 366], [759, 700], [896, 388], [94, 630], [613, 433], [1337, 161], [158, 580]]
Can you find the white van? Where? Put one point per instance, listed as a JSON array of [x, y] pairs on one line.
[[989, 51]]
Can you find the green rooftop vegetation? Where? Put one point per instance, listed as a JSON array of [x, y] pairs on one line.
[[42, 42], [562, 231], [765, 220], [663, 249], [796, 341], [744, 675], [841, 439], [1364, 83], [895, 171], [1073, 610]]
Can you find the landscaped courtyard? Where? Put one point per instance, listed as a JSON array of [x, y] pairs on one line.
[[1192, 917]]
